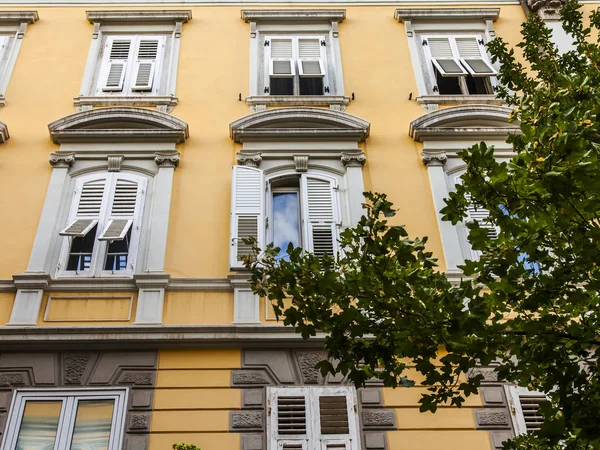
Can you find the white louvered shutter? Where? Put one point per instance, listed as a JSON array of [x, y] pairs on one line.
[[311, 58], [473, 56], [117, 54], [337, 421], [146, 60], [87, 207], [247, 212], [125, 206], [290, 421], [443, 57], [524, 408], [320, 214], [281, 57]]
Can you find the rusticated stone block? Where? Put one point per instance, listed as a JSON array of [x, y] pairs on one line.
[[139, 422], [75, 365], [246, 419], [136, 378], [249, 377], [379, 418], [491, 418], [12, 379]]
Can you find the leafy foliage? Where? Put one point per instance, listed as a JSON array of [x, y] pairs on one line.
[[383, 306]]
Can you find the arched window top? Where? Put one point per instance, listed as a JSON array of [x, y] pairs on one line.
[[299, 123], [118, 124]]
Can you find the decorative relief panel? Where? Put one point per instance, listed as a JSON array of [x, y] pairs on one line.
[[72, 370]]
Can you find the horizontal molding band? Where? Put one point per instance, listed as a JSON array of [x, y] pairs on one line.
[[161, 336]]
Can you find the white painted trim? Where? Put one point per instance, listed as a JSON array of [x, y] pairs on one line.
[[26, 307], [245, 306], [17, 22], [158, 222], [150, 305]]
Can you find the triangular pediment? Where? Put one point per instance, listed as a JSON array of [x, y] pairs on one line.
[[299, 123], [119, 124]]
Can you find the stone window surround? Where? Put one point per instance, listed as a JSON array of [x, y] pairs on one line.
[[436, 20], [328, 141], [294, 21], [129, 22], [13, 22], [147, 148], [444, 133]]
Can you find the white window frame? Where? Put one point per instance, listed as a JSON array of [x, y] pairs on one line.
[[66, 423], [313, 439], [513, 394], [430, 62], [101, 245], [296, 61]]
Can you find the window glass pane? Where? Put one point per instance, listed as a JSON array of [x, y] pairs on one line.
[[447, 85], [281, 86], [477, 85], [80, 256], [39, 425], [311, 86], [116, 255], [286, 224], [92, 425]]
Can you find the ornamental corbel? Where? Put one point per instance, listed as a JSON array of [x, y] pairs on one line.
[[250, 160], [434, 159], [546, 9], [58, 160], [166, 160], [114, 163], [301, 163], [353, 159]]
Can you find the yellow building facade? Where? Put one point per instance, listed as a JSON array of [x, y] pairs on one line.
[[173, 130]]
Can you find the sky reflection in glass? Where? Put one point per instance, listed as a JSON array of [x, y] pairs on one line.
[[285, 221]]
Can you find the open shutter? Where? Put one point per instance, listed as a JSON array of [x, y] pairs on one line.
[[281, 62], [473, 56], [146, 61], [311, 58], [247, 212], [320, 214], [114, 66], [289, 419], [444, 59], [524, 408], [123, 210], [86, 207]]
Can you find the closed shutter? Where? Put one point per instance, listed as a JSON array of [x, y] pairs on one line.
[[86, 207], [281, 61], [145, 63], [473, 56], [124, 206], [290, 419], [443, 57], [337, 427], [247, 212], [310, 58], [117, 54], [320, 214]]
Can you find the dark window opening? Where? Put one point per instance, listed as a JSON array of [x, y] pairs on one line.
[[117, 253], [477, 85], [80, 256], [311, 85], [281, 86], [447, 85]]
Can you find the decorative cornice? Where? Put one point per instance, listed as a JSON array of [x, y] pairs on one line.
[[118, 124], [332, 101], [301, 163], [166, 101], [61, 160], [28, 17], [434, 159], [167, 160], [251, 160], [293, 15], [152, 280], [137, 16], [31, 280], [460, 122], [299, 123], [446, 14], [4, 136], [353, 159]]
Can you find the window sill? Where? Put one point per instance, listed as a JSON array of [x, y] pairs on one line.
[[459, 99], [261, 102], [164, 103]]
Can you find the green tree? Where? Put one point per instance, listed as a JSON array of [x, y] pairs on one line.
[[530, 304]]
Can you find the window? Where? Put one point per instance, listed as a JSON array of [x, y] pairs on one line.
[[131, 64], [524, 405], [133, 58], [459, 65], [61, 420], [103, 227], [312, 418], [299, 208]]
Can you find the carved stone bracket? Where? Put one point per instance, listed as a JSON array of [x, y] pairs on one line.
[[167, 160], [62, 159], [301, 163], [353, 159], [114, 163], [546, 9], [249, 159], [434, 159]]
